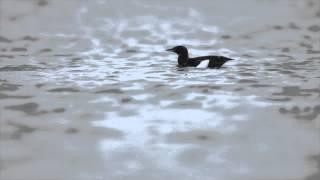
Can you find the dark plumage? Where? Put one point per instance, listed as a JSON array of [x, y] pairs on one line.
[[184, 60]]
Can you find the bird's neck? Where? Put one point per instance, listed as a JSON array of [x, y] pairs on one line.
[[183, 59]]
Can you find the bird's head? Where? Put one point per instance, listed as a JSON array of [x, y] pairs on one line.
[[180, 50]]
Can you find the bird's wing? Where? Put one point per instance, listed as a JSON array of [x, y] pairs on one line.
[[214, 61], [217, 58], [218, 61], [201, 58], [197, 60]]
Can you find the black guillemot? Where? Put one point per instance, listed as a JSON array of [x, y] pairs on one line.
[[202, 61]]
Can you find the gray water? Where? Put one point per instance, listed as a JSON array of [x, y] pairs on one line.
[[87, 90]]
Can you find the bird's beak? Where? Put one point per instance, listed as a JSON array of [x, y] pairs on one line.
[[171, 50]]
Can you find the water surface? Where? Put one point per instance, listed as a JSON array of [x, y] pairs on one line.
[[87, 90]]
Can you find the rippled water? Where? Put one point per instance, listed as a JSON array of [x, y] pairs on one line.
[[87, 90]]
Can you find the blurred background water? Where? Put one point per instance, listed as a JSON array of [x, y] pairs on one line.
[[87, 90]]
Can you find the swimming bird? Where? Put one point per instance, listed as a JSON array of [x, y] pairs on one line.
[[201, 62]]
